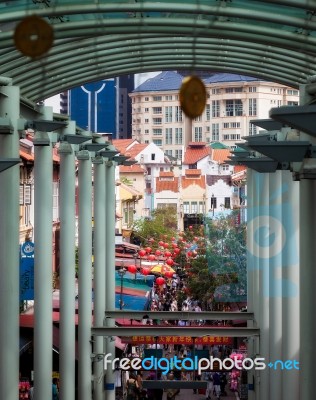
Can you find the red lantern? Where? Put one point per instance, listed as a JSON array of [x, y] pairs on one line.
[[151, 257], [173, 239], [169, 274], [167, 253], [166, 245], [142, 253], [189, 253], [161, 243], [160, 281], [151, 240], [148, 250], [190, 227], [158, 252], [176, 250], [169, 261], [145, 271], [132, 269], [196, 238]]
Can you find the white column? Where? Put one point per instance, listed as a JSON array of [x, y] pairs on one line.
[[43, 220], [307, 288], [9, 248], [67, 269], [99, 272], [290, 276], [85, 275], [276, 246], [110, 270]]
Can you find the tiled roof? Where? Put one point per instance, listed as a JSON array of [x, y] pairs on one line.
[[122, 144], [186, 182], [167, 80], [166, 173], [171, 185], [195, 154], [220, 78], [218, 145], [192, 172], [171, 80], [212, 179], [135, 150], [220, 155], [239, 168], [131, 169]]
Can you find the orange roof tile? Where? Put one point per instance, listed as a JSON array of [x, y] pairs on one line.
[[239, 168], [131, 169], [220, 155], [27, 156], [166, 173], [135, 150], [194, 172], [194, 154], [171, 185], [122, 144], [186, 182]]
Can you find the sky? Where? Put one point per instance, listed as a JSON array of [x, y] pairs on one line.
[[139, 78]]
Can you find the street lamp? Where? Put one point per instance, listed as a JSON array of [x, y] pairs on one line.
[[121, 272]]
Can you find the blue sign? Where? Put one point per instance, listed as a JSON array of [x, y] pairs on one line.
[[27, 249], [27, 278]]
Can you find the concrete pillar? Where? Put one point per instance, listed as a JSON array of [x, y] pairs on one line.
[[276, 247], [9, 248], [307, 287], [43, 219], [290, 279], [99, 272], [67, 269], [85, 275], [110, 270]]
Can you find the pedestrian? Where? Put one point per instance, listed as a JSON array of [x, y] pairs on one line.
[[132, 388], [55, 391], [171, 393], [31, 391], [217, 384]]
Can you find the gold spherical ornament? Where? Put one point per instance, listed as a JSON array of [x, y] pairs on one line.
[[33, 36], [192, 96]]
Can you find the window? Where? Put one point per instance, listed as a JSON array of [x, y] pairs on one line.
[[55, 200], [157, 121], [208, 112], [169, 152], [252, 129], [168, 98], [201, 207], [146, 141], [235, 136], [146, 109], [168, 114], [146, 98], [226, 137], [215, 108], [233, 108], [178, 114], [233, 90], [216, 91], [27, 195], [178, 154], [252, 89], [225, 167], [178, 135], [215, 132], [168, 136], [227, 202], [157, 98], [21, 195], [157, 110], [292, 92], [232, 125], [186, 207], [194, 207], [198, 134], [157, 132], [213, 202], [146, 131], [198, 119], [146, 120], [157, 142], [253, 107], [292, 103]]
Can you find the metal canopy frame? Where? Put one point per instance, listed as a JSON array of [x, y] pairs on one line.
[[273, 40]]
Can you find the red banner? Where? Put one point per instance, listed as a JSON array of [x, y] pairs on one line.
[[186, 340]]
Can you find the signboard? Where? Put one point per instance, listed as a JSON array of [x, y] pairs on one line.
[[27, 271], [186, 340]]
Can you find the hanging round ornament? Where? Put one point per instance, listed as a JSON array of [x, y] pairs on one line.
[[192, 96], [33, 36]]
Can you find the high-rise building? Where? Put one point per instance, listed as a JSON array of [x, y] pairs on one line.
[[101, 107], [232, 102]]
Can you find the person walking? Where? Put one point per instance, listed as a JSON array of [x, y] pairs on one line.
[[55, 391], [171, 393], [132, 387]]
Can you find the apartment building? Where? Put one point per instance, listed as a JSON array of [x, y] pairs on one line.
[[232, 102]]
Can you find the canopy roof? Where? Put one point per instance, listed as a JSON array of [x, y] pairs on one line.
[[271, 39]]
